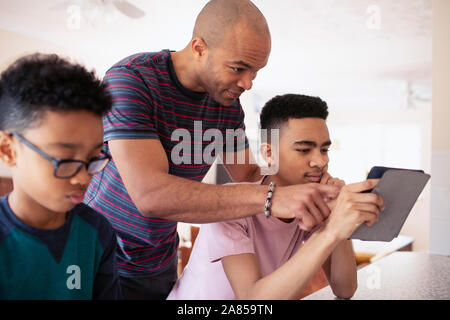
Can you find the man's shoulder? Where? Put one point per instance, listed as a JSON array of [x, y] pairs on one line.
[[148, 61]]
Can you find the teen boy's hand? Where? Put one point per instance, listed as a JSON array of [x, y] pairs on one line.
[[327, 179], [354, 208]]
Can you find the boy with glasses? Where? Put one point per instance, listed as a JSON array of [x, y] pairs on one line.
[[52, 246]]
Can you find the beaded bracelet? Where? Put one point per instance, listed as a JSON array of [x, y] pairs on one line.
[[269, 199]]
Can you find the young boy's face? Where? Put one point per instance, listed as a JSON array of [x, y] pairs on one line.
[[74, 135], [303, 151]]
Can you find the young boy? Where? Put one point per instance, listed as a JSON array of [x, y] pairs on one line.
[[51, 245], [267, 258]]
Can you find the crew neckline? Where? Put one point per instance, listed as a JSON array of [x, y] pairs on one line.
[[173, 75], [36, 231]]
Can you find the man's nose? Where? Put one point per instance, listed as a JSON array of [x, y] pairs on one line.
[[246, 81]]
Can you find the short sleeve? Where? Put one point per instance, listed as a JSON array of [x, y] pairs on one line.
[[132, 114], [239, 138], [228, 238]]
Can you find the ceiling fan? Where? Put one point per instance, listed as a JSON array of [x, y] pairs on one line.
[[127, 9], [95, 10]]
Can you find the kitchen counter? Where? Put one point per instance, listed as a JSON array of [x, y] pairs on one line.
[[400, 276]]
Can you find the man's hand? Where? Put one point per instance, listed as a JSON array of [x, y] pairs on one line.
[[306, 202], [354, 208]]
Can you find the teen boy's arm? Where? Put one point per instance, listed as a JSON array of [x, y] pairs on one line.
[[287, 282], [340, 266]]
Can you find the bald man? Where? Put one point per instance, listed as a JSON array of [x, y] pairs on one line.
[[163, 104]]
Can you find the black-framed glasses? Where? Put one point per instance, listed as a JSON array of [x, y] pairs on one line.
[[68, 168]]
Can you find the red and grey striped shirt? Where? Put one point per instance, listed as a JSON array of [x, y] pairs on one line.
[[149, 102]]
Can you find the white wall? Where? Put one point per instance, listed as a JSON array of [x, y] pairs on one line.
[[15, 45], [440, 142]]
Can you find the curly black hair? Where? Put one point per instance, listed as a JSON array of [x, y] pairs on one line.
[[46, 82], [281, 108]]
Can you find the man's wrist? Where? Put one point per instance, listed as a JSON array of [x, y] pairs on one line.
[[267, 206]]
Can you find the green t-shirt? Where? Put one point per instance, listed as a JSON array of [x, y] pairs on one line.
[[74, 261]]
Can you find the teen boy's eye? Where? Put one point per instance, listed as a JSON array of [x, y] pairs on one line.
[[325, 150], [304, 151]]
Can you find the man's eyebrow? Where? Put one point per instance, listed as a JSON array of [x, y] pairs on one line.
[[242, 63], [312, 143]]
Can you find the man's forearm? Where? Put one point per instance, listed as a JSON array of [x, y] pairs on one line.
[[179, 199]]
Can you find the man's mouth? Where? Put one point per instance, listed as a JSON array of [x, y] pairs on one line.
[[233, 94]]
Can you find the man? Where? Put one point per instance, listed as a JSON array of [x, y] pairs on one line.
[[143, 191]]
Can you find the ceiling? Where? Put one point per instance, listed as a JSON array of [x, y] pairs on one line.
[[327, 46]]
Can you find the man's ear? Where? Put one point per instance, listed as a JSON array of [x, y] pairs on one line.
[[7, 149], [199, 48]]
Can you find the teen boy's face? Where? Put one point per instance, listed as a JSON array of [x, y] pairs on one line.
[[303, 151], [74, 135]]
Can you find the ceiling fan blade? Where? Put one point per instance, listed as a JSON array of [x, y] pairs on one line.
[[128, 9], [60, 6]]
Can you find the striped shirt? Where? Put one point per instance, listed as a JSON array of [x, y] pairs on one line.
[[149, 102]]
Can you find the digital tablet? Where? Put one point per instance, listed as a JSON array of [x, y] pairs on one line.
[[400, 189], [377, 172]]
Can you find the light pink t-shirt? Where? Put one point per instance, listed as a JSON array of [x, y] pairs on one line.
[[271, 240]]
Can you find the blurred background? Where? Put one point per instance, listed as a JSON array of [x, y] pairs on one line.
[[382, 66]]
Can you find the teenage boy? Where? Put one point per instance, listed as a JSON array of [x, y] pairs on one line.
[[264, 257], [52, 246]]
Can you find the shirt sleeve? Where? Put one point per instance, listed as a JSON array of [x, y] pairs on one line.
[[239, 138], [228, 238], [132, 113], [106, 283]]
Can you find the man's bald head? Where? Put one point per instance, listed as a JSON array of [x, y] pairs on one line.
[[219, 17]]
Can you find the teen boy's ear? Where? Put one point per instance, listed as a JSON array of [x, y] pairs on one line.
[[266, 153], [270, 154], [7, 149]]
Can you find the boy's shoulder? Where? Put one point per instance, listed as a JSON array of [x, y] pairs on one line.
[[5, 223], [95, 220]]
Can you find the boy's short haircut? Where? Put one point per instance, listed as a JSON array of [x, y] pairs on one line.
[[278, 110], [45, 82]]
